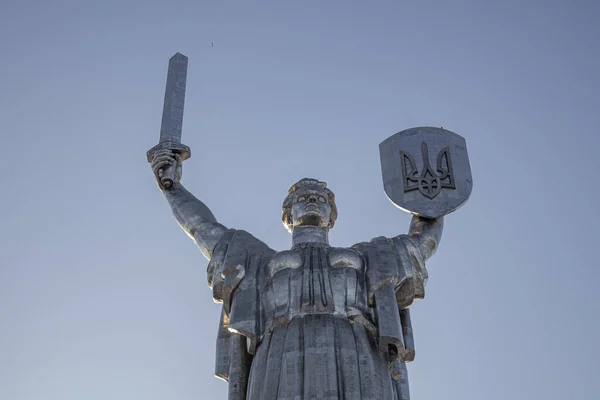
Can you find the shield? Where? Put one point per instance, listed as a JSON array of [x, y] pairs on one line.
[[426, 171]]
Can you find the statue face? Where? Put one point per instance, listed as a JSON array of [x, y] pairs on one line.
[[310, 207]]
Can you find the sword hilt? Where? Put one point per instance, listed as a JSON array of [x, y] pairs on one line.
[[168, 174]]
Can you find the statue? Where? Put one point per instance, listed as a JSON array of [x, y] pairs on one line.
[[318, 321]]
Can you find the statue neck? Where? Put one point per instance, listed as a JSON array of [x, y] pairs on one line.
[[309, 235]]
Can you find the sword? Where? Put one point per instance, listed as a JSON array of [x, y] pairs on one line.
[[172, 118]]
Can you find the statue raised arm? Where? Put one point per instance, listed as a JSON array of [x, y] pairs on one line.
[[426, 233], [194, 217]]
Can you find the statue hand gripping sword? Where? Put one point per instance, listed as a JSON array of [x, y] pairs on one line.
[[318, 321]]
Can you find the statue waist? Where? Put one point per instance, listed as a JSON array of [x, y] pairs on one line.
[[353, 315]]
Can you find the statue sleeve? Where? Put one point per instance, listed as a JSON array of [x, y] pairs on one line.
[[234, 274], [398, 262], [412, 273], [396, 275]]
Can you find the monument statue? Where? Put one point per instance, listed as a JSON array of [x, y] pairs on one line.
[[318, 321]]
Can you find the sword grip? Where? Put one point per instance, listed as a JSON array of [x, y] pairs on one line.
[[168, 176]]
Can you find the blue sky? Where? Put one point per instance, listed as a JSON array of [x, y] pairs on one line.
[[103, 297]]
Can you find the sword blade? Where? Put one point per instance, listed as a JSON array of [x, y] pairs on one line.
[[172, 118]]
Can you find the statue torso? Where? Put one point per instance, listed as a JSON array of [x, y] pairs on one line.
[[319, 338], [304, 316], [314, 280]]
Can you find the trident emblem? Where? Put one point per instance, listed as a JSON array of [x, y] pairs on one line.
[[431, 182]]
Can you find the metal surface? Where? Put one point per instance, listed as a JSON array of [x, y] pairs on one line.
[[426, 171], [172, 118], [314, 321], [317, 321]]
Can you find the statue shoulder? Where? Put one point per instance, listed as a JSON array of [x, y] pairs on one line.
[[236, 241], [233, 255], [363, 248], [400, 243]]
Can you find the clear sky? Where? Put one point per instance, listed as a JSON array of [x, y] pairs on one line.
[[102, 296]]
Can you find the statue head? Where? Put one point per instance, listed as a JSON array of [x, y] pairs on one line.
[[309, 203]]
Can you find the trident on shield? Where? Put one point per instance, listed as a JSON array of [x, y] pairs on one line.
[[431, 182]]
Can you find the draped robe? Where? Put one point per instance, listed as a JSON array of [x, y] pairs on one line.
[[315, 322]]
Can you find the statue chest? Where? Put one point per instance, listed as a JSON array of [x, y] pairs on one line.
[[315, 280]]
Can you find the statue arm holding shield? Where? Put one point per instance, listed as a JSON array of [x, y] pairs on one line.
[[428, 187], [426, 234]]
